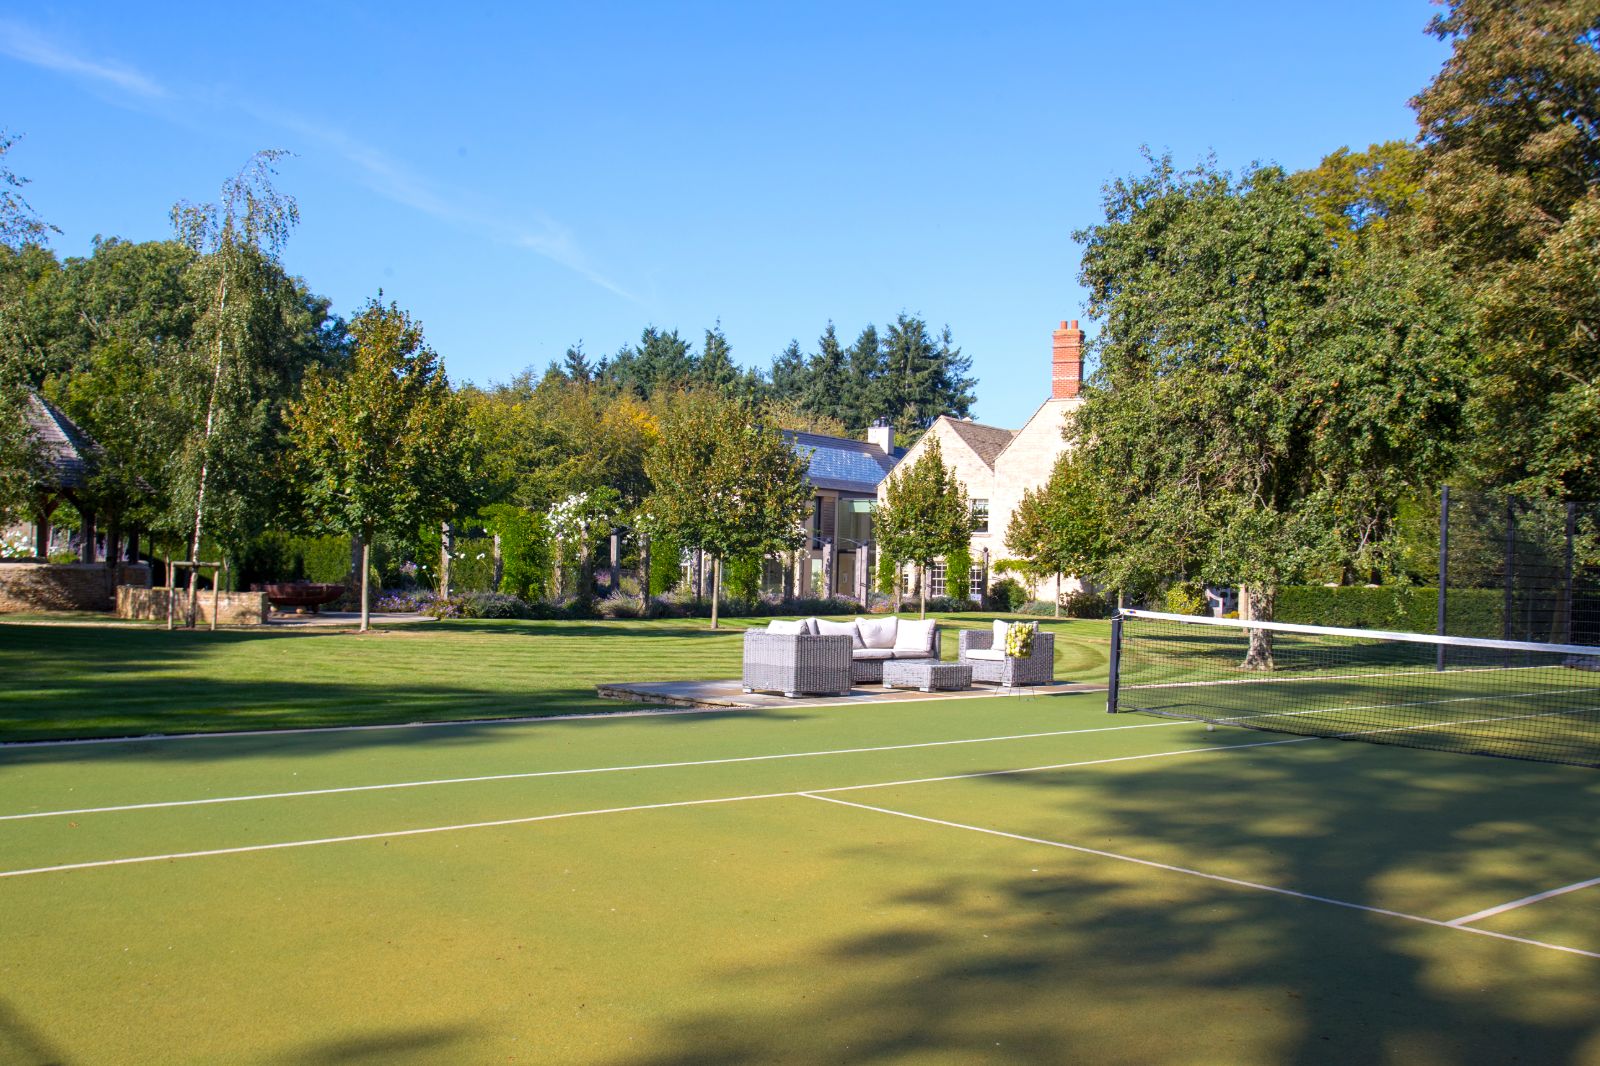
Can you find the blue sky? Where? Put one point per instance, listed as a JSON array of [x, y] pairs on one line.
[[522, 177]]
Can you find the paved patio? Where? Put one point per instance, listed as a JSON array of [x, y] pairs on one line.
[[731, 694]]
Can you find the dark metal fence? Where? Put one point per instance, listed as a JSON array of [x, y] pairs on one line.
[[1518, 569]]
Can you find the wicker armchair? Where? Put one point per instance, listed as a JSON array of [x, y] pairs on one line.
[[795, 663], [1038, 668]]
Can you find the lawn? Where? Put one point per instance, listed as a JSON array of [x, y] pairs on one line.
[[1017, 879], [77, 681]]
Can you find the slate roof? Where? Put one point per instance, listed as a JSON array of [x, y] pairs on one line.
[[987, 441], [841, 464], [69, 453]]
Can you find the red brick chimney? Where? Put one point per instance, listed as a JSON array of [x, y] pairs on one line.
[[1066, 361]]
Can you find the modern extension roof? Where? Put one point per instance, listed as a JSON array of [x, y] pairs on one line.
[[69, 453], [987, 441], [841, 464]]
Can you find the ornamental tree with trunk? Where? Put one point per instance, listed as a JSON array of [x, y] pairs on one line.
[[382, 444]]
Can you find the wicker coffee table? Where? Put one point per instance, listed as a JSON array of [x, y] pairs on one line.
[[927, 674]]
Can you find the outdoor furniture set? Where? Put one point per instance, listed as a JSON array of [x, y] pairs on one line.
[[815, 656]]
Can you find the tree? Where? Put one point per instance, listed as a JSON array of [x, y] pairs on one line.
[[926, 377], [384, 444], [715, 367], [19, 224], [1356, 194], [1060, 527], [925, 515], [1511, 133], [864, 401], [1232, 437], [234, 241], [826, 378], [21, 232], [789, 374], [725, 481]]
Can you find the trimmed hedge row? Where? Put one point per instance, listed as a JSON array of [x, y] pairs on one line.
[[1408, 608]]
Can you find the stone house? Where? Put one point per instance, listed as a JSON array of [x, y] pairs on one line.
[[998, 465]]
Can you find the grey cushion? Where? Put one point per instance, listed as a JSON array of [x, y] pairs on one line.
[[796, 627], [878, 632], [838, 629], [872, 653]]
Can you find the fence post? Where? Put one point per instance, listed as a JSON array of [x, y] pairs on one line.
[[1444, 569], [1572, 530], [1116, 663], [1511, 566]]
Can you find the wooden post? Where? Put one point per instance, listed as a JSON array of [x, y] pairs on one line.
[[716, 587], [86, 551], [216, 593], [166, 565]]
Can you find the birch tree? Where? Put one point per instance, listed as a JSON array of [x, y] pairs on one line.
[[235, 240]]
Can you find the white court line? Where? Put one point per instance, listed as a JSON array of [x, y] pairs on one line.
[[1207, 876], [1537, 897], [157, 804], [616, 810]]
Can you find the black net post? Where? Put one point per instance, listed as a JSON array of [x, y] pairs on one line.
[[1444, 566], [1116, 662], [1507, 627]]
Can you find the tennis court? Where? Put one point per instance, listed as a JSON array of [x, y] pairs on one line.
[[1015, 879]]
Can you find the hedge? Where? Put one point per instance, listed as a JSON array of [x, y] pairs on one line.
[[1407, 608]]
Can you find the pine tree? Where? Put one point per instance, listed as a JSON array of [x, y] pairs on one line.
[[864, 401], [715, 367], [790, 372], [828, 378]]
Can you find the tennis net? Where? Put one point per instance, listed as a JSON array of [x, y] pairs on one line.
[[1513, 699]]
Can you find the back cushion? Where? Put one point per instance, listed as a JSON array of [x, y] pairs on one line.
[[914, 636], [797, 626], [1000, 630], [838, 629], [878, 632]]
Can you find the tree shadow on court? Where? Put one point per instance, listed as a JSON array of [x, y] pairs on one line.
[[67, 682], [24, 1044], [1033, 954], [421, 1044]]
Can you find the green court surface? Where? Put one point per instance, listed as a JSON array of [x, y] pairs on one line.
[[1009, 880]]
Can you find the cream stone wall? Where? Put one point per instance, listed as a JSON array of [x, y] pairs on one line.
[[1026, 464]]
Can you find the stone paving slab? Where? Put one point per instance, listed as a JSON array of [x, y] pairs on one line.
[[730, 693]]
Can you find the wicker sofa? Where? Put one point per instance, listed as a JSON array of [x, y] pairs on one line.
[[826, 658], [1039, 668]]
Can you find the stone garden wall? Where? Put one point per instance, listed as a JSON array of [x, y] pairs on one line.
[[65, 586], [233, 608]]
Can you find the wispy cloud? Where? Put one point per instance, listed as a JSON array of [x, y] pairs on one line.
[[393, 180], [376, 169], [25, 45]]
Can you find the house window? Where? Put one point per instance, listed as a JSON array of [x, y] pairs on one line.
[[975, 583], [980, 516], [936, 580]]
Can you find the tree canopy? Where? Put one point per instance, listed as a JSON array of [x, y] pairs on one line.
[[925, 515]]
